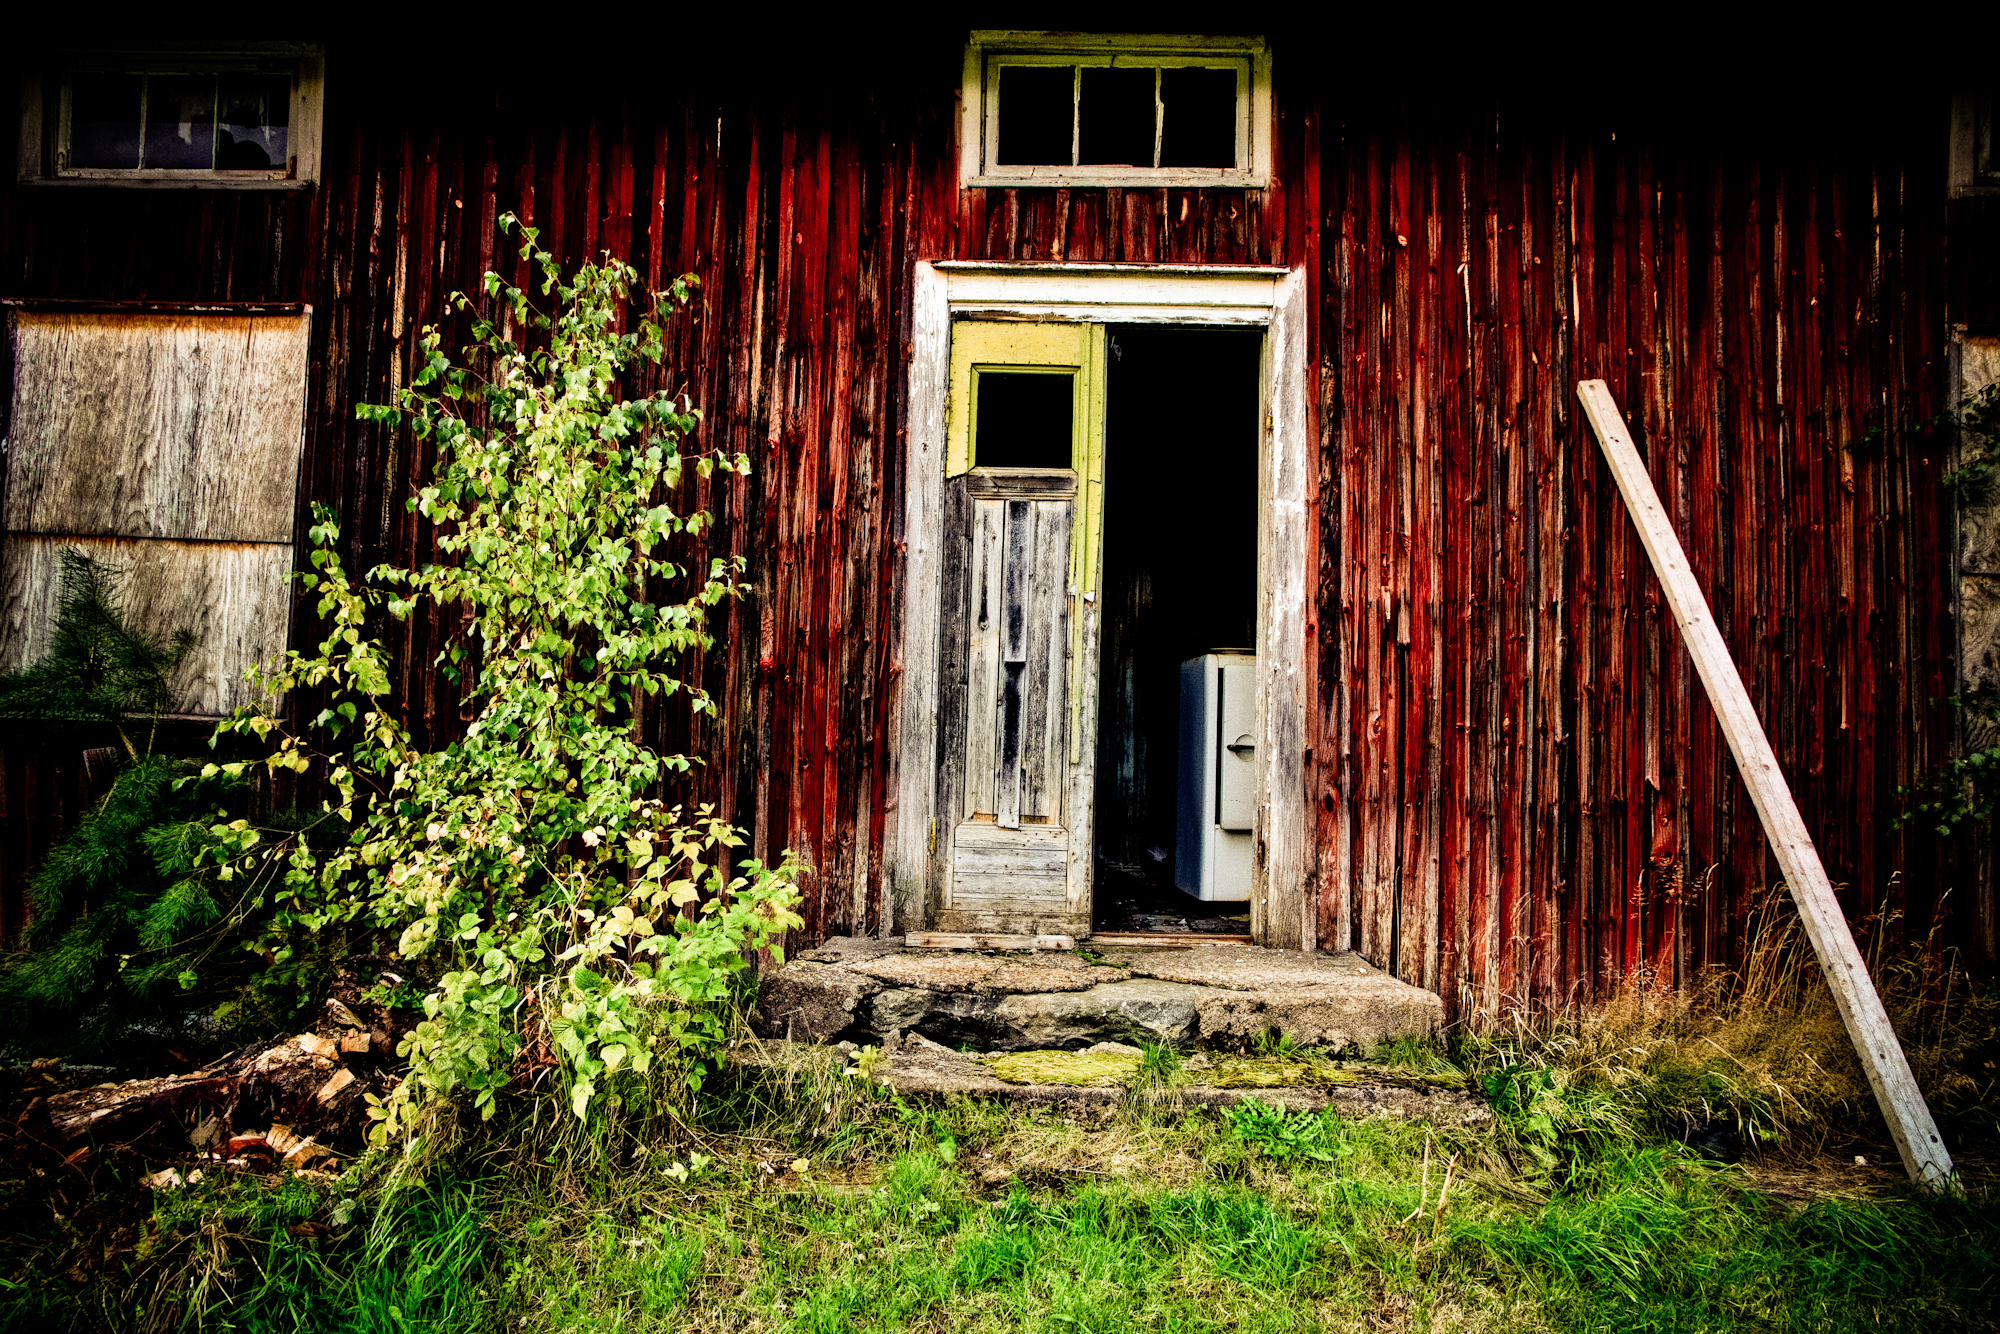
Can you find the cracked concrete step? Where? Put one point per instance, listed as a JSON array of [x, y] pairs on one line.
[[865, 991], [916, 1065]]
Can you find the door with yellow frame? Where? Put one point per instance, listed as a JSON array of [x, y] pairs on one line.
[[1019, 627]]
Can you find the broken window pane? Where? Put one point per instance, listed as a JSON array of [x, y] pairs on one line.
[[1036, 106], [180, 121], [1115, 117], [1023, 419], [1198, 117], [104, 121], [256, 111]]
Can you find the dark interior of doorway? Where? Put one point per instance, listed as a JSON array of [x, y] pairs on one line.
[[1180, 580]]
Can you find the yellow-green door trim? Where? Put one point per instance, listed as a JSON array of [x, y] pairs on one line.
[[978, 346]]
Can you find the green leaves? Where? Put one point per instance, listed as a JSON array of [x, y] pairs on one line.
[[1280, 1134], [574, 919], [1964, 791]]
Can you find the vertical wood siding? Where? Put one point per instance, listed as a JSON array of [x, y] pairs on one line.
[[1527, 797], [1517, 791]]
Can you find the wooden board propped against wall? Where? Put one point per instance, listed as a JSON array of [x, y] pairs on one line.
[[167, 446], [1902, 1102]]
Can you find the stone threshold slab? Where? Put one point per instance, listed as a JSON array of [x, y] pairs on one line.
[[864, 991]]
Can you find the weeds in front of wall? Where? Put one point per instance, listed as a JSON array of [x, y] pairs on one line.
[[765, 1213], [1752, 1057]]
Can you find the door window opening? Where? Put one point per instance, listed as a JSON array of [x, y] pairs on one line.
[[1023, 418]]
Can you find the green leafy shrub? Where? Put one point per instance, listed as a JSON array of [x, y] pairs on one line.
[[572, 917]]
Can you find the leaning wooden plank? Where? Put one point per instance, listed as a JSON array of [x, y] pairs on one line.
[[1902, 1103], [946, 940]]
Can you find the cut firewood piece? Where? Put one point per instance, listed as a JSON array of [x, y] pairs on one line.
[[312, 1044], [332, 1088], [298, 1083], [307, 1154], [107, 1109], [210, 1134], [354, 1044]]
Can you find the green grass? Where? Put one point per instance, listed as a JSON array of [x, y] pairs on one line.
[[244, 1256], [979, 1217], [800, 1196]]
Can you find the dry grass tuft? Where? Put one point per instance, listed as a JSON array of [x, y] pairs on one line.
[[1761, 1047]]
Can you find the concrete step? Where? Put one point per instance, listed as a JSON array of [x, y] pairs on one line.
[[1223, 996], [914, 1064]]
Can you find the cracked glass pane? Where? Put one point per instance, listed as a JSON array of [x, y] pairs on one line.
[[256, 112]]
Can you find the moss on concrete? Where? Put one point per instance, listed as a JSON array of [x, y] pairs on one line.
[[1077, 1069], [1227, 1071]]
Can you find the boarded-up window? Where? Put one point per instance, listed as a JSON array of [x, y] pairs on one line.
[[167, 446]]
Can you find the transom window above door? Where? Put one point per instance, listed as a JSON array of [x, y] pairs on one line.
[[1115, 109]]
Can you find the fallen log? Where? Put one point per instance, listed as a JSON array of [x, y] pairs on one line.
[[314, 1085]]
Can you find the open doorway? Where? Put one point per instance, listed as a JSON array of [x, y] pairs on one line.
[[1180, 583]]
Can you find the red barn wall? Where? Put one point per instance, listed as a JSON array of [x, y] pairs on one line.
[[1518, 792], [1523, 795]]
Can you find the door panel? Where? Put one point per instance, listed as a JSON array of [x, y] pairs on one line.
[[1020, 559], [1236, 776], [1018, 667]]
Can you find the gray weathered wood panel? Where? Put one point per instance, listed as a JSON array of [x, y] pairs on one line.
[[998, 869], [179, 426], [955, 606], [1014, 661], [985, 612], [234, 596], [1045, 716], [1022, 483]]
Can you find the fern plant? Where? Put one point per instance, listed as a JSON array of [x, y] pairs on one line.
[[136, 916], [98, 667], [131, 926]]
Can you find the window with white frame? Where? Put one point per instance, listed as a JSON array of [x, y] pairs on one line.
[[1975, 166], [1115, 109], [244, 117]]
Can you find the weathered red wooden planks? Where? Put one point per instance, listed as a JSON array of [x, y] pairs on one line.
[[1593, 824], [1517, 797]]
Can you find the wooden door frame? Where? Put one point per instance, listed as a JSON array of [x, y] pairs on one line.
[[1282, 914]]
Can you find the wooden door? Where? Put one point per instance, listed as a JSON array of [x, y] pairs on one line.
[[1016, 728]]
